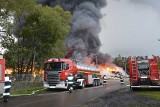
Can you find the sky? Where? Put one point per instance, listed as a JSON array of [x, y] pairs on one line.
[[131, 28]]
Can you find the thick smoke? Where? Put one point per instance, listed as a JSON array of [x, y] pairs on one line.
[[83, 39]]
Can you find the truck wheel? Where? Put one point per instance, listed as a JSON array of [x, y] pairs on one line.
[[5, 99]]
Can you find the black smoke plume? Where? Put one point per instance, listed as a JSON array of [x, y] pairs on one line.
[[83, 41]]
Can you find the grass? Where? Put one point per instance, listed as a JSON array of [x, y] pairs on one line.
[[151, 94], [137, 105], [42, 91], [19, 88]]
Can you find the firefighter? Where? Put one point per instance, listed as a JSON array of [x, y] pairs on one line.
[[121, 79], [70, 82], [104, 80], [7, 86]]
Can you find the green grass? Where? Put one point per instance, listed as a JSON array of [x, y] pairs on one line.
[[151, 94], [137, 105], [42, 91], [19, 88]]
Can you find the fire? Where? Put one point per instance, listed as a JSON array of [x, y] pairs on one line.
[[111, 70], [35, 72], [107, 68], [9, 71]]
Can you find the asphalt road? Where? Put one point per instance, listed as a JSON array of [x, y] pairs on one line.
[[63, 99]]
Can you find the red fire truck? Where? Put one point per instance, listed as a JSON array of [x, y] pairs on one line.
[[2, 77], [144, 73], [2, 69], [56, 71]]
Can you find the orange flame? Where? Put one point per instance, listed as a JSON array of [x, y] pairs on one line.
[[9, 71], [108, 68], [35, 72]]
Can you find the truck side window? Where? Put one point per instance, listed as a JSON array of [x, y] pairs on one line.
[[66, 66]]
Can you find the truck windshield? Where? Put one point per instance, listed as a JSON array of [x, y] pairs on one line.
[[143, 69], [54, 66], [143, 65]]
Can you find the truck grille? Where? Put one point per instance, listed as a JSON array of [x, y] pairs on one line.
[[53, 79], [144, 81], [144, 72]]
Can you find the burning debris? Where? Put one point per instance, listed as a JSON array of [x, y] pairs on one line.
[[83, 41], [112, 70]]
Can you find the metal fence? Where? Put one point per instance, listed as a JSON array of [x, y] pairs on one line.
[[26, 77]]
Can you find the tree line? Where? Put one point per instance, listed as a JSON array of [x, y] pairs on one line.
[[31, 33]]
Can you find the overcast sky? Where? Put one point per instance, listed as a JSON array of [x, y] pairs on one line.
[[131, 27]]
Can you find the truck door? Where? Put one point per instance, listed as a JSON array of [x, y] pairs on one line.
[[2, 75], [2, 70], [154, 69]]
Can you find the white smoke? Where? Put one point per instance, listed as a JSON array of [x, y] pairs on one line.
[[131, 27]]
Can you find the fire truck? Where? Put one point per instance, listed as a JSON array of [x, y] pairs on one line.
[[56, 71], [3, 88], [2, 74], [144, 73]]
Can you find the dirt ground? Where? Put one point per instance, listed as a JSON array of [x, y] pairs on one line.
[[123, 98]]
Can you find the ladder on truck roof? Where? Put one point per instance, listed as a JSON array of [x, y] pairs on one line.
[[134, 69]]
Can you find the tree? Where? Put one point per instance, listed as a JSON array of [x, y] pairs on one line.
[[39, 33], [121, 62]]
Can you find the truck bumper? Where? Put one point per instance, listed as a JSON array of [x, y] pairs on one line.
[[60, 86]]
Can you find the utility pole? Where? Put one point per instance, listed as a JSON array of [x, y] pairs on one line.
[[125, 66]]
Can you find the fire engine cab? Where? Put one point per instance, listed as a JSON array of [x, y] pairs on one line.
[[56, 71], [144, 72]]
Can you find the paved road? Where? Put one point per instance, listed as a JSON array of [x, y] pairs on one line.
[[63, 99]]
